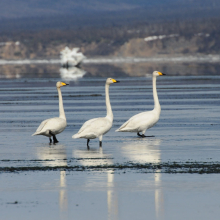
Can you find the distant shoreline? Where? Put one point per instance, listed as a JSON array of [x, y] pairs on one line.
[[108, 60]]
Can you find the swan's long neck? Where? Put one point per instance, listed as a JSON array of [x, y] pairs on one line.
[[61, 109], [108, 105], [156, 100]]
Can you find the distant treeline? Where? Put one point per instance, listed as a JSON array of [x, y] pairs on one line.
[[108, 38]]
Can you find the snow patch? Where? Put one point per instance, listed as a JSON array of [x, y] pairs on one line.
[[160, 37]]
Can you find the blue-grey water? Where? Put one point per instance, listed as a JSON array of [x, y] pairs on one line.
[[188, 130]]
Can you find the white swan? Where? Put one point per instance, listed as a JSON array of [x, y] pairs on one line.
[[145, 120], [97, 127], [53, 126]]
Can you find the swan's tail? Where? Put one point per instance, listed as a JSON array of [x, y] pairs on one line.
[[76, 136], [121, 130], [125, 129], [36, 133]]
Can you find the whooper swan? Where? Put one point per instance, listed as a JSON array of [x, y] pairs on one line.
[[145, 120], [53, 126], [97, 127]]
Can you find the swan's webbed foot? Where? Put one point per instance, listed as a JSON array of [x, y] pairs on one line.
[[88, 144], [140, 135], [143, 136], [55, 140], [100, 143]]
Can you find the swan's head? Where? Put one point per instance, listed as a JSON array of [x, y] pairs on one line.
[[157, 73], [110, 81], [60, 84]]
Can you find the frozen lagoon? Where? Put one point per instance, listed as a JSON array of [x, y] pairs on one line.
[[187, 132]]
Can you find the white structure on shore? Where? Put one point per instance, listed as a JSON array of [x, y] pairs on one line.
[[71, 57]]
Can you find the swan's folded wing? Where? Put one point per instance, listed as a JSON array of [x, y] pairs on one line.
[[137, 121], [94, 128], [43, 123], [86, 124], [101, 126], [132, 121]]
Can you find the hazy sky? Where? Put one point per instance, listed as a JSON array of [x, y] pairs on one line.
[[35, 8]]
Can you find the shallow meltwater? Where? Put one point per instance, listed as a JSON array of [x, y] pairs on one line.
[[187, 130], [129, 176]]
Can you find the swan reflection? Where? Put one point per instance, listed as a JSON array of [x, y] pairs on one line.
[[72, 73], [142, 150], [147, 151], [159, 201], [56, 156], [112, 198], [94, 157]]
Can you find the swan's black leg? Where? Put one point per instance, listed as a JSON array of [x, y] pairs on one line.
[[55, 140], [88, 144], [54, 137], [139, 134], [100, 143], [50, 140]]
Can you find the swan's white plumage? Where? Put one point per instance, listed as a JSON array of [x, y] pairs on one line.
[[97, 127], [94, 128], [144, 120], [55, 125], [39, 129], [140, 122]]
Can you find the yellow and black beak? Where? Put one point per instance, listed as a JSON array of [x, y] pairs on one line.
[[161, 74], [64, 84], [115, 81]]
